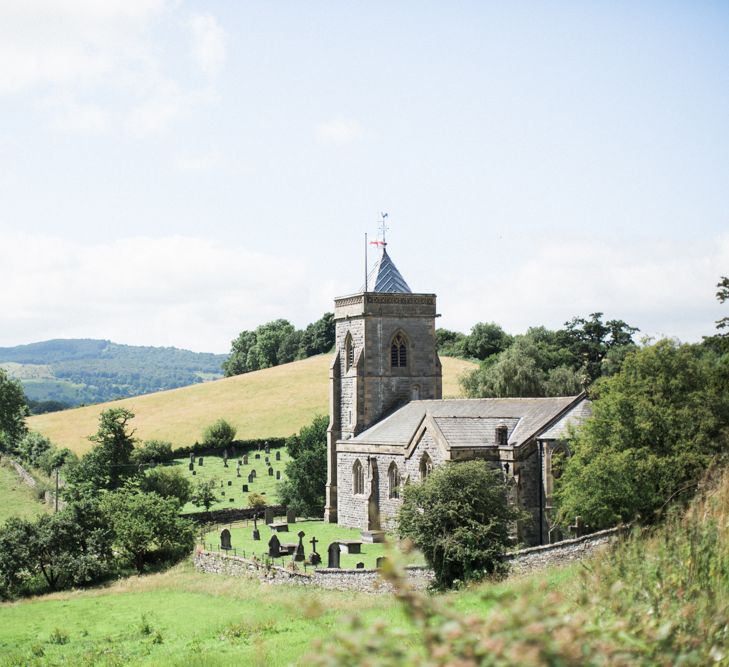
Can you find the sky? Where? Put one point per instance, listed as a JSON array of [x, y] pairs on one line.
[[174, 172]]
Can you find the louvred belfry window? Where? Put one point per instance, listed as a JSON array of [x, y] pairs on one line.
[[399, 352]]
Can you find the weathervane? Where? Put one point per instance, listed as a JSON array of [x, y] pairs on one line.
[[383, 231]]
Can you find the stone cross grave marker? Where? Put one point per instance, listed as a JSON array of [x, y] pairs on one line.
[[315, 558], [274, 547], [300, 555], [290, 516], [333, 553], [578, 528], [225, 539]]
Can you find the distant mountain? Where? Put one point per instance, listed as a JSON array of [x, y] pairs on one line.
[[84, 371]]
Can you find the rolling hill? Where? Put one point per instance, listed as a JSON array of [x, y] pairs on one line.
[[276, 401], [78, 371]]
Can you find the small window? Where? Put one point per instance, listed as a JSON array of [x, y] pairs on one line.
[[426, 467], [393, 477], [502, 435], [399, 352], [357, 478], [349, 351]]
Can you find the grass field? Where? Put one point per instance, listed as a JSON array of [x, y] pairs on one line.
[[182, 617], [17, 498], [242, 541], [273, 402], [214, 468]]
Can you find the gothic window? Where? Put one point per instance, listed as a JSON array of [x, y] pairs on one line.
[[399, 352], [426, 466], [393, 477], [357, 478], [502, 435], [349, 351]]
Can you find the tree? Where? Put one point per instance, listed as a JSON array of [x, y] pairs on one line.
[[238, 362], [450, 343], [486, 339], [147, 525], [656, 426], [459, 518], [108, 464], [13, 411], [256, 501], [167, 483], [303, 490], [203, 494], [219, 435], [32, 446], [318, 337], [70, 547], [722, 295]]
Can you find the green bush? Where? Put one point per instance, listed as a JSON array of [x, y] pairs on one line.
[[168, 483], [459, 518], [219, 434], [153, 451]]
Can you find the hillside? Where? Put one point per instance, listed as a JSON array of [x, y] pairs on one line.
[[272, 402], [82, 371]]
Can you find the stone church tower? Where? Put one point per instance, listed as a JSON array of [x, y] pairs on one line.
[[385, 356]]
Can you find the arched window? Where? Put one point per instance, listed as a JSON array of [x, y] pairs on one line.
[[393, 477], [348, 351], [426, 466], [357, 478], [399, 352]]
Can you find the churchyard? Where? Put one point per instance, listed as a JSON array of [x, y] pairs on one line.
[[351, 551], [236, 481]]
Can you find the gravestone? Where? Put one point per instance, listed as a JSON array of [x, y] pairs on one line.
[[267, 460], [278, 474], [225, 458], [237, 471], [232, 500], [225, 539], [256, 533], [230, 482], [578, 528], [191, 466], [250, 478], [267, 449], [270, 472], [333, 553], [300, 555], [253, 473], [315, 558], [290, 516], [274, 547], [245, 459], [278, 456], [380, 562], [360, 566], [192, 457], [258, 456], [245, 488], [221, 483], [268, 515], [194, 472], [200, 461]]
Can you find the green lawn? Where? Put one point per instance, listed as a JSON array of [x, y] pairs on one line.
[[242, 541], [182, 617], [213, 468], [16, 497]]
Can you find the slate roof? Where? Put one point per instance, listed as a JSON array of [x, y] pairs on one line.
[[574, 417], [384, 277], [469, 422]]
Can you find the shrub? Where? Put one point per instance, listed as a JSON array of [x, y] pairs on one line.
[[168, 483], [459, 518], [153, 451], [219, 434], [203, 494]]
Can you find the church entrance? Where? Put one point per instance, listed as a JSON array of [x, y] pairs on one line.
[[373, 505]]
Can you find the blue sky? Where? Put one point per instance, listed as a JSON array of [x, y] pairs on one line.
[[174, 172]]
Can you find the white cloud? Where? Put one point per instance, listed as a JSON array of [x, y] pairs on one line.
[[666, 289], [339, 131], [208, 43], [70, 115], [181, 291], [200, 162]]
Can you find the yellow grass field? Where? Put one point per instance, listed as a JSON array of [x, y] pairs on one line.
[[273, 402]]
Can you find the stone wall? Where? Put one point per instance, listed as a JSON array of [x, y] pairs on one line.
[[560, 553], [49, 497], [366, 581], [229, 515]]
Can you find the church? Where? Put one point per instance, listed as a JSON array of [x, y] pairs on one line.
[[389, 423]]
